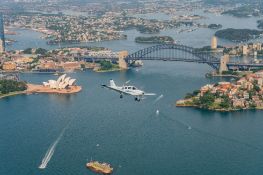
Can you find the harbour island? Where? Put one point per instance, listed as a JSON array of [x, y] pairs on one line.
[[243, 94], [154, 39]]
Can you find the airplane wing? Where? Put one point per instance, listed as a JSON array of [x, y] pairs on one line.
[[149, 94], [115, 89], [144, 94]]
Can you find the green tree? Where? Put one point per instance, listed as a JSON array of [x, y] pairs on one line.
[[41, 51], [226, 102], [106, 65], [196, 92], [28, 51], [188, 96], [7, 86], [207, 99]]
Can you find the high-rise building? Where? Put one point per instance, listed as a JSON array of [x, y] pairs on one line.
[[2, 34], [214, 43], [245, 50]]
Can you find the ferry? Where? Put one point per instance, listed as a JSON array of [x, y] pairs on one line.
[[102, 168]]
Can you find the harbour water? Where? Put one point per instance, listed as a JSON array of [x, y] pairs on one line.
[[127, 134], [130, 135]]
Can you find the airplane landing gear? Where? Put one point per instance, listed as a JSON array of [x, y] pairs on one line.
[[121, 96], [137, 99]]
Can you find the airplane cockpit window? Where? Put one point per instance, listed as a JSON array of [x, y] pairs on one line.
[[133, 88]]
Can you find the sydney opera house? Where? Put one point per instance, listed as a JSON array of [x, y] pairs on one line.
[[62, 82]]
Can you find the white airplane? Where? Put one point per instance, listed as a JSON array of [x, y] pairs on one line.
[[127, 90]]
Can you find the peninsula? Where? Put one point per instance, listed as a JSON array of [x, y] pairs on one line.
[[246, 93], [238, 35], [64, 85], [11, 87]]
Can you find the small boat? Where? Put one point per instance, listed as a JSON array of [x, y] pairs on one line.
[[103, 168], [42, 167]]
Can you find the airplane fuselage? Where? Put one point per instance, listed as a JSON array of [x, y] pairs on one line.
[[132, 90], [127, 90]]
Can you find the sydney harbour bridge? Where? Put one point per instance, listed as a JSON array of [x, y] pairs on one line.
[[177, 52]]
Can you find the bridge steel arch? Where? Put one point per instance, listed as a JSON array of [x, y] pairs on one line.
[[192, 56]]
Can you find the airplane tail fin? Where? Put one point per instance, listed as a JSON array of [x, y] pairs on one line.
[[112, 84]]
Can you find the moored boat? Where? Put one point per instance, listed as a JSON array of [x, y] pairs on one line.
[[97, 167]]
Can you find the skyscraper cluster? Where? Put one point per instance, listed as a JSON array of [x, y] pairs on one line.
[[2, 34], [214, 43]]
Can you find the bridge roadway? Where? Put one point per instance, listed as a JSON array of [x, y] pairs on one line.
[[177, 52]]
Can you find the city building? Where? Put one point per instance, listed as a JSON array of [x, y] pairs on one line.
[[9, 66], [245, 50], [2, 34], [71, 65], [61, 83], [214, 43], [1, 46]]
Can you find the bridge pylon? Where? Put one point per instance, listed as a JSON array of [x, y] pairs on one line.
[[223, 63], [122, 63]]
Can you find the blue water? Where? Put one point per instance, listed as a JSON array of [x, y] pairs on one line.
[[130, 135]]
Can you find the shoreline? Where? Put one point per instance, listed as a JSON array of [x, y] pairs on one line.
[[105, 71], [183, 104], [222, 75], [12, 94], [233, 76]]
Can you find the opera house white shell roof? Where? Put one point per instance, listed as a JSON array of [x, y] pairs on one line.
[[61, 83]]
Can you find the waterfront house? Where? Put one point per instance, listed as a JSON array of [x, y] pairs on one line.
[[238, 103], [9, 66], [241, 82], [246, 95], [205, 89]]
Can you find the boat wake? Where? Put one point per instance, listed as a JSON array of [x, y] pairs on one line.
[[48, 155], [51, 151], [158, 99]]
